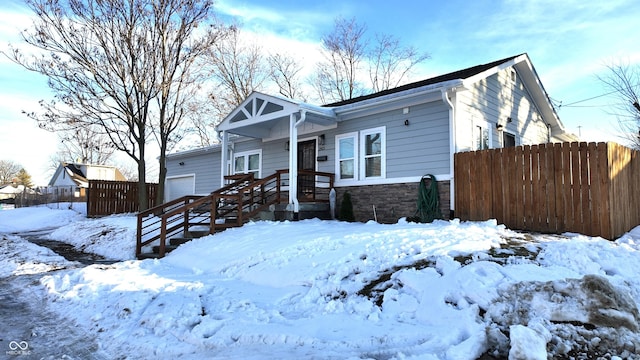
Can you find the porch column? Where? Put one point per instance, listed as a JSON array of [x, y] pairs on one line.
[[293, 164], [293, 159], [224, 157]]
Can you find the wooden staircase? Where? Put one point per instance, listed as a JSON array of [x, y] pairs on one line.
[[189, 217]]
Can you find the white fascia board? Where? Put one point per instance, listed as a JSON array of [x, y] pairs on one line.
[[319, 110], [485, 74], [185, 153], [344, 110]]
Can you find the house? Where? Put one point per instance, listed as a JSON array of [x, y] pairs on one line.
[[8, 192], [379, 146], [70, 180]]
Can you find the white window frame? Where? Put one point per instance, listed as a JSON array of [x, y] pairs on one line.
[[246, 155], [477, 126], [356, 168], [383, 153]]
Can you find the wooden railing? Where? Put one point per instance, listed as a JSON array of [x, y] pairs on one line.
[[231, 206]]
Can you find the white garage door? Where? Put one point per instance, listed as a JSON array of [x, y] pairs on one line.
[[178, 186]]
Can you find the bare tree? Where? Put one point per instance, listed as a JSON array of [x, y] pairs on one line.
[[390, 63], [84, 145], [344, 49], [8, 171], [178, 53], [347, 52], [108, 61], [238, 65], [624, 81], [238, 68], [285, 72]]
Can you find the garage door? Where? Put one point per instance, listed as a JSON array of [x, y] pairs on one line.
[[178, 186]]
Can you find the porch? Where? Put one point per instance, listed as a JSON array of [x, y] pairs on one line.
[[164, 227]]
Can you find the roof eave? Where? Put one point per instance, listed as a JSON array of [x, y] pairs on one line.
[[412, 96]]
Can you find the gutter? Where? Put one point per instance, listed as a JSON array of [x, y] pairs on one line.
[[453, 146], [380, 100]]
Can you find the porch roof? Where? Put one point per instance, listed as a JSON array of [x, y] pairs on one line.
[[259, 113]]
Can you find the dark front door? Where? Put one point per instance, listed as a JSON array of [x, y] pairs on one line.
[[306, 161]]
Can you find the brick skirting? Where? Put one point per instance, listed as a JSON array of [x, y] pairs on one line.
[[392, 201]]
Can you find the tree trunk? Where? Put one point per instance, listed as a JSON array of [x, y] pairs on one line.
[[161, 177], [143, 194]]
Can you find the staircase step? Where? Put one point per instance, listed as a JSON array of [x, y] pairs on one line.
[[167, 249], [227, 225], [144, 256], [175, 241], [194, 234]]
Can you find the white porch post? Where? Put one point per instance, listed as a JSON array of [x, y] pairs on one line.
[[293, 159], [293, 164], [224, 157]]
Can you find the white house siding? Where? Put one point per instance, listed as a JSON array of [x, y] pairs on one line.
[[99, 172], [493, 100], [204, 164], [413, 150], [64, 179]]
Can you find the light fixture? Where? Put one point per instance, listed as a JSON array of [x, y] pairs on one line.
[[499, 126], [286, 146], [181, 163], [321, 140], [406, 122], [509, 120]]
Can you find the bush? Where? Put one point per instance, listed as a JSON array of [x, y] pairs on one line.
[[346, 208]]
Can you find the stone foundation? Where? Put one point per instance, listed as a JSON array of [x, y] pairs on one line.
[[391, 201]]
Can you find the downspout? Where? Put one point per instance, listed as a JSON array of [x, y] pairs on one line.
[[293, 160], [453, 148]]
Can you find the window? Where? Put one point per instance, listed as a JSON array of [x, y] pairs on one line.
[[247, 163], [372, 153], [481, 137], [346, 155], [512, 75], [361, 156], [508, 139]]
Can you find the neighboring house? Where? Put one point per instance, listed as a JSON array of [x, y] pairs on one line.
[[8, 192], [379, 146], [72, 179]]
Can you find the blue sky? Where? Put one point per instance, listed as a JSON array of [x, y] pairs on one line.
[[569, 43]]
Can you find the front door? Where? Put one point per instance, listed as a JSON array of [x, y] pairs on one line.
[[306, 161]]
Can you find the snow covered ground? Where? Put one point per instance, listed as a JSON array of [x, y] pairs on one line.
[[332, 290]]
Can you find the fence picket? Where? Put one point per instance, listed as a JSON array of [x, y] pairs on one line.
[[115, 197], [589, 188]]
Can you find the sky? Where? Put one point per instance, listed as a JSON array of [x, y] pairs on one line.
[[315, 289], [569, 43]]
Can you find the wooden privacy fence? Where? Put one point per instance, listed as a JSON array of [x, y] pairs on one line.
[[116, 197], [588, 188]]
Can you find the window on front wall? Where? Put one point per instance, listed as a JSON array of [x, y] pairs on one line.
[[346, 155], [372, 153], [361, 155], [247, 163]]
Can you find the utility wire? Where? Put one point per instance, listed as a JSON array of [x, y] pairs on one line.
[[591, 98]]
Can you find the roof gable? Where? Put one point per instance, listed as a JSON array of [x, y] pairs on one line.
[[257, 108], [459, 74], [77, 173], [258, 113]]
